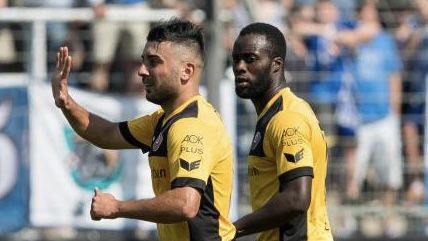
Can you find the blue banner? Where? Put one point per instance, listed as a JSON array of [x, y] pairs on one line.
[[14, 158]]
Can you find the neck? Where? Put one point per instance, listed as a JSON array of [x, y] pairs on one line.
[[172, 105], [261, 102]]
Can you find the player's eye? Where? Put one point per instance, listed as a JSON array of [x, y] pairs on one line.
[[250, 58], [151, 62]]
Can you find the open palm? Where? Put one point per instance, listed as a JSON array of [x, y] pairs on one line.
[[60, 79]]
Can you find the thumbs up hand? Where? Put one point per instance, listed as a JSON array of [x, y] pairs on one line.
[[104, 205]]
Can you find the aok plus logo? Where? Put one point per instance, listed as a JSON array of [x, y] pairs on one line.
[[193, 139], [192, 144]]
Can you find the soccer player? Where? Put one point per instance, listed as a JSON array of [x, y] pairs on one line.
[[287, 163], [189, 150]]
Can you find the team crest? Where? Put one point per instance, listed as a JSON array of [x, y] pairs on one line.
[[157, 142], [256, 140]]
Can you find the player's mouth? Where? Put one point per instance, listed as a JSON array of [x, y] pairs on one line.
[[147, 84], [241, 81]]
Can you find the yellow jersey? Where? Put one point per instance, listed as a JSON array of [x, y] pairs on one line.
[[288, 143], [189, 147]]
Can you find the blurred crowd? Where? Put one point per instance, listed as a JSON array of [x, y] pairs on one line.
[[363, 66]]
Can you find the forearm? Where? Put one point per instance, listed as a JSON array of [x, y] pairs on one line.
[[293, 200], [269, 216], [87, 125], [169, 207], [253, 223], [395, 92], [352, 38], [346, 38]]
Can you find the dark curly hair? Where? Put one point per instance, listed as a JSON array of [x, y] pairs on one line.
[[278, 46], [179, 31]]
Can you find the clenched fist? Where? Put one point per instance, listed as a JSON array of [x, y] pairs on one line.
[[104, 205]]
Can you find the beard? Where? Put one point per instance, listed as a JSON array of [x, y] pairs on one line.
[[164, 88], [161, 94], [256, 89], [161, 97]]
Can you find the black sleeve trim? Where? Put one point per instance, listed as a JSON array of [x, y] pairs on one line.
[[124, 130], [295, 173], [189, 182]]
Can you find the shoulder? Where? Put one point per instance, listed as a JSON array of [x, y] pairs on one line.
[[296, 107], [191, 131], [296, 114], [152, 118], [188, 123], [289, 123], [285, 118], [201, 123]]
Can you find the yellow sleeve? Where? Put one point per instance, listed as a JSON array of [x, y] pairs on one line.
[[139, 132], [190, 153], [290, 138]]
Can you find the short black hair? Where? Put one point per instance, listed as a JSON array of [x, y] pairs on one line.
[[179, 31], [275, 38]]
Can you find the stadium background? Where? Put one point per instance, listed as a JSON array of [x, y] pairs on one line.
[[45, 183]]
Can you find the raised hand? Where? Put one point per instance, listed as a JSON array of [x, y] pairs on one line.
[[103, 205], [60, 79]]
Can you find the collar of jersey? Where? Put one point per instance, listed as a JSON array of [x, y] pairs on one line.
[[272, 100], [181, 107]]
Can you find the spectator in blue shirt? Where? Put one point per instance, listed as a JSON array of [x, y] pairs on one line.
[[327, 63], [378, 98]]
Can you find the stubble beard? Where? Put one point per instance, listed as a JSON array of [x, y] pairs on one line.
[[258, 89], [162, 94]]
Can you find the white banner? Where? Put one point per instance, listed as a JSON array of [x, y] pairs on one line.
[[64, 168]]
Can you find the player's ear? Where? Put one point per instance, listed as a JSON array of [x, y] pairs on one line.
[[277, 64], [188, 71]]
